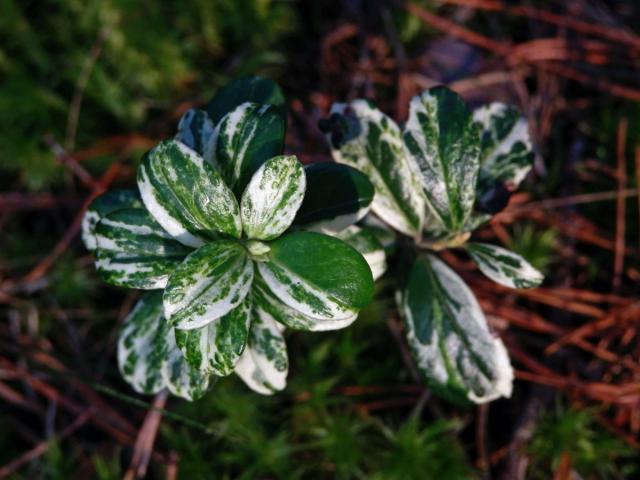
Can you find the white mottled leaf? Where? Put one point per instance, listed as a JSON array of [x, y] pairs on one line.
[[216, 347], [142, 345], [134, 251], [449, 336], [245, 138], [507, 154], [186, 195], [365, 241], [363, 137], [148, 357], [103, 205], [181, 378], [266, 300], [195, 130], [210, 282], [503, 266], [444, 143], [264, 364], [272, 198]]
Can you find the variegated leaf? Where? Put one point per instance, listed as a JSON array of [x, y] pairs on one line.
[[449, 336], [503, 266], [143, 345], [195, 130], [216, 347], [284, 314], [210, 282], [244, 139], [363, 137], [186, 195], [181, 378], [148, 357], [256, 89], [320, 276], [336, 197], [506, 156], [104, 204], [264, 364], [445, 144], [364, 240], [134, 251], [272, 198]]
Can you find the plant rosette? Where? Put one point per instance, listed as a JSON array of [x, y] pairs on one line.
[[221, 234], [437, 179]]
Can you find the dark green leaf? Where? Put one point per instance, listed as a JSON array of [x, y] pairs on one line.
[[320, 276], [260, 90], [337, 196], [365, 241]]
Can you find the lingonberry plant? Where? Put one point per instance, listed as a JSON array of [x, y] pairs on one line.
[[234, 242], [436, 180]]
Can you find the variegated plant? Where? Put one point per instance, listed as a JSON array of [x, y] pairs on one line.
[[436, 180], [231, 238]]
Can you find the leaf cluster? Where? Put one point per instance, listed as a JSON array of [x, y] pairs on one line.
[[437, 179]]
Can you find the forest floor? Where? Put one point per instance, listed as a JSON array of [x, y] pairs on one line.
[[87, 87]]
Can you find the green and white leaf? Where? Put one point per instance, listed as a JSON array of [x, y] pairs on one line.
[[195, 130], [320, 276], [103, 205], [365, 241], [182, 379], [143, 345], [264, 364], [186, 195], [336, 197], [216, 347], [289, 317], [444, 143], [208, 284], [507, 154], [449, 336], [255, 89], [272, 198], [365, 138], [134, 251], [148, 357], [503, 266], [244, 139]]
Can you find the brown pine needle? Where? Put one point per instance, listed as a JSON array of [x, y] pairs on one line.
[[146, 438], [621, 174]]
